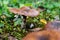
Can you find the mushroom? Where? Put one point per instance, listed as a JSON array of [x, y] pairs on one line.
[[53, 25], [43, 35], [25, 11]]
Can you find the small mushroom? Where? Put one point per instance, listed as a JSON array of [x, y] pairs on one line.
[[25, 11]]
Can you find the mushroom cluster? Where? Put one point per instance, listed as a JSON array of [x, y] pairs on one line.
[[51, 32]]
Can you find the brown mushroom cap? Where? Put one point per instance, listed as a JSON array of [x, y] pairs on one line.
[[26, 11], [53, 25]]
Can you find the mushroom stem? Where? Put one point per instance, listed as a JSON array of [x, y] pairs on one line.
[[23, 25]]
